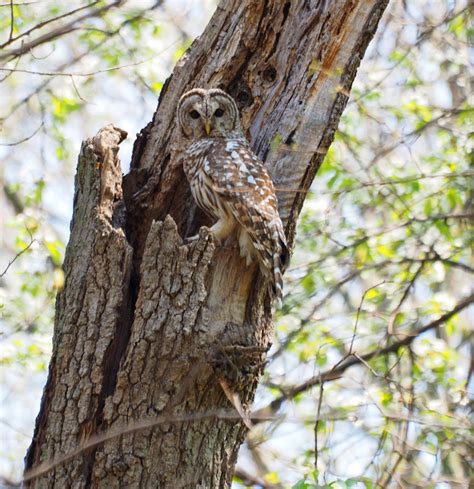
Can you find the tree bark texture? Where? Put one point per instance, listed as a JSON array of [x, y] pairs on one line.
[[150, 327]]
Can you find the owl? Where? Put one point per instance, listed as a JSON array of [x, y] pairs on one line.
[[230, 183]]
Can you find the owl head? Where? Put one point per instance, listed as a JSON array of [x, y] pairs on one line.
[[208, 113]]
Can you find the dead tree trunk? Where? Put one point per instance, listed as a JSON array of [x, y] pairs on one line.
[[147, 327]]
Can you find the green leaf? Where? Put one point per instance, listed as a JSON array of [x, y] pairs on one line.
[[301, 485], [62, 107], [55, 251], [308, 284], [38, 192], [157, 86], [443, 228], [385, 251], [338, 485]]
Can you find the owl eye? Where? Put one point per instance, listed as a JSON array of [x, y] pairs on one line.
[[219, 113], [194, 114]]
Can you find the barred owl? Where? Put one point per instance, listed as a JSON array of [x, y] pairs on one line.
[[230, 183]]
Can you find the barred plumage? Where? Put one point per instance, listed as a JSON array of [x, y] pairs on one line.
[[230, 183]]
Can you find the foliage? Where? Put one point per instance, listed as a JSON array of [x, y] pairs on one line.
[[383, 246], [384, 249]]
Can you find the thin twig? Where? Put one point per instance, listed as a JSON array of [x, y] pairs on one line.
[[90, 73], [49, 36], [123, 430], [13, 260], [234, 399], [46, 22], [393, 316], [252, 480], [25, 138], [18, 4], [350, 360], [358, 314], [12, 21], [316, 425]]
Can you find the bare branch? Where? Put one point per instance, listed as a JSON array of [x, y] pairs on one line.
[[12, 21], [351, 359], [64, 29], [140, 425], [17, 4], [24, 250], [90, 73], [253, 480], [354, 333], [406, 292], [316, 425], [423, 36], [234, 399], [42, 24], [25, 138]]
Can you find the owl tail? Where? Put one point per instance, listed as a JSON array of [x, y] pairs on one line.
[[280, 262], [277, 280]]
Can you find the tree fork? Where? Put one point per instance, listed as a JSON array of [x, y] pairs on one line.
[[148, 326]]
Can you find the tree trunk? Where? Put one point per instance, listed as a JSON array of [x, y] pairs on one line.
[[149, 329]]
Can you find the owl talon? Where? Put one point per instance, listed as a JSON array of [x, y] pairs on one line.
[[222, 229], [190, 239]]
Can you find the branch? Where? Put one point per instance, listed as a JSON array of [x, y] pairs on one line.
[[12, 21], [382, 153], [26, 248], [351, 359], [26, 138], [422, 36], [397, 181], [90, 73], [127, 429], [42, 24], [60, 72], [4, 480], [252, 480], [351, 276], [17, 3], [49, 36], [411, 284]]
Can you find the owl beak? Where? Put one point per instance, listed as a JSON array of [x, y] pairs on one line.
[[207, 127]]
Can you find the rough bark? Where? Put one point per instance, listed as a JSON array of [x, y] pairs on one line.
[[147, 326]]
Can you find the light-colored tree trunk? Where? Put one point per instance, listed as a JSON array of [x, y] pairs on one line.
[[149, 328]]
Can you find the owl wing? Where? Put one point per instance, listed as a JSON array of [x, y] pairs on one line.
[[238, 175]]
